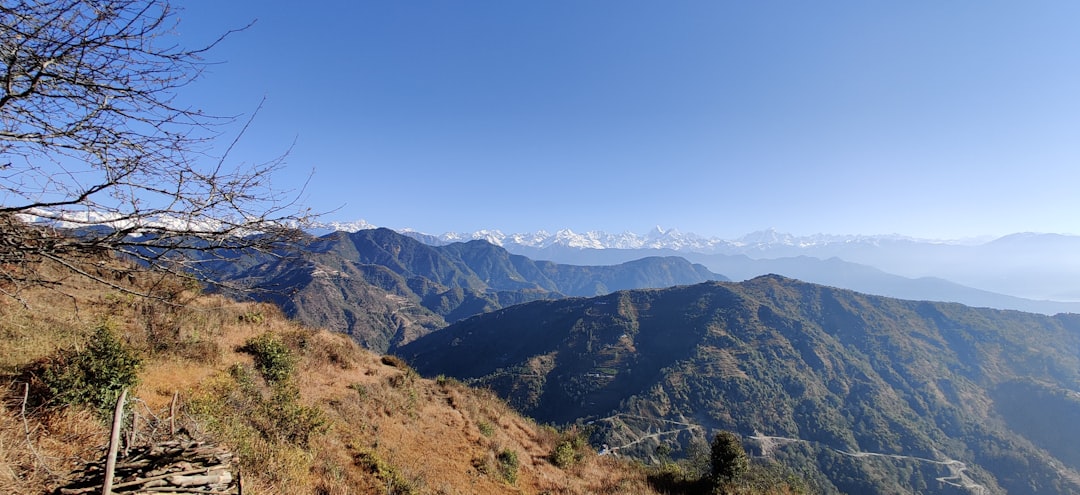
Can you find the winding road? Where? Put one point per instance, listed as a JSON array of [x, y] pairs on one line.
[[957, 470], [684, 427]]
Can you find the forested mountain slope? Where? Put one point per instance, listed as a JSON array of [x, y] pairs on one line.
[[385, 289], [864, 394]]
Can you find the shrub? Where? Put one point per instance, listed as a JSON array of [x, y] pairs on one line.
[[508, 465], [273, 359], [290, 420], [252, 317], [361, 390], [403, 380], [94, 376], [239, 404], [570, 446], [395, 482], [569, 449], [564, 456]]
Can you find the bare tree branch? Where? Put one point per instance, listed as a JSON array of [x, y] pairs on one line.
[[93, 143]]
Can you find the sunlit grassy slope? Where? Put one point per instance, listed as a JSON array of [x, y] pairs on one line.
[[342, 420]]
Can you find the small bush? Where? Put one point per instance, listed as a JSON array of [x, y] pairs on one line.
[[404, 380], [673, 477], [361, 390], [273, 359], [395, 482], [486, 429], [508, 465], [569, 449], [291, 421], [391, 360], [252, 317], [240, 404], [94, 376], [563, 456]]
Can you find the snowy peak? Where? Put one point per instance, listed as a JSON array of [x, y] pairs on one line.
[[347, 226], [767, 237], [656, 238]]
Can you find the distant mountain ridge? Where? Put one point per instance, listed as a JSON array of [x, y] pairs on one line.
[[385, 289], [657, 238], [1037, 267]]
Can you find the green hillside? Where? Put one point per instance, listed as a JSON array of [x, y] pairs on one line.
[[861, 394]]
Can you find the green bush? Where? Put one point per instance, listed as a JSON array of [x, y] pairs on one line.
[[252, 317], [395, 481], [273, 359], [570, 448], [289, 420], [243, 407], [361, 390], [564, 455], [281, 417], [94, 376], [508, 465], [446, 381]]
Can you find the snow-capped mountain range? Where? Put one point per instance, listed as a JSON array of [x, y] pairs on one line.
[[1029, 265], [657, 238]]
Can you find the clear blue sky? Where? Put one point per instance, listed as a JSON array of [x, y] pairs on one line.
[[931, 119]]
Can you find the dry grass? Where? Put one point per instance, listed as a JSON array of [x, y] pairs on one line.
[[386, 429]]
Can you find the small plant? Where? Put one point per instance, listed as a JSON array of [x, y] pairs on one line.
[[239, 403], [252, 317], [486, 429], [407, 379], [290, 420], [508, 465], [94, 376], [360, 389], [273, 359], [570, 448], [563, 456], [395, 482]]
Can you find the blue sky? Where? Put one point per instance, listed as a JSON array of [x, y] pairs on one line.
[[930, 119]]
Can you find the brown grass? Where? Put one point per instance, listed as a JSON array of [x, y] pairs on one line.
[[384, 425]]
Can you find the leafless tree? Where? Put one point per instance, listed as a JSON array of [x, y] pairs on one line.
[[92, 139]]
